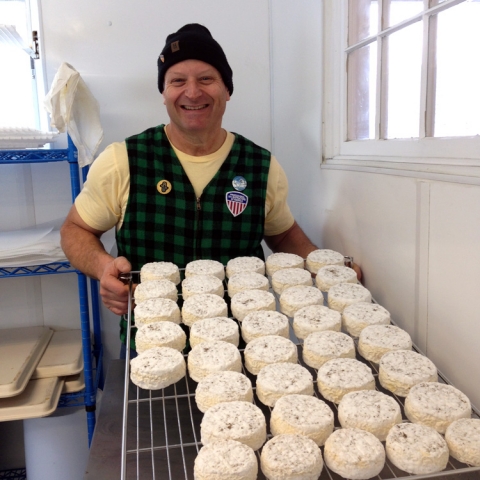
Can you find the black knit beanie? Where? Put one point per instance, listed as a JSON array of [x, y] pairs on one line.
[[193, 41]]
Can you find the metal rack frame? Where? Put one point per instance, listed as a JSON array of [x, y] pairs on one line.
[[93, 375], [164, 435]]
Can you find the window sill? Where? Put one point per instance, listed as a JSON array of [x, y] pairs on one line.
[[466, 172]]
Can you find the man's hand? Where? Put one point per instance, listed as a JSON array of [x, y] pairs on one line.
[[113, 291]]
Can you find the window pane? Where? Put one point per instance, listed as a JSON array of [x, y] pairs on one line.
[[16, 84], [363, 20], [404, 81], [458, 71], [399, 10], [361, 97]]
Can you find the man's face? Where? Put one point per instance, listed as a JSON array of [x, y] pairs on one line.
[[195, 96]]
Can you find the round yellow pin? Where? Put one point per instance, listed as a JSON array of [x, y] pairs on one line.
[[164, 187]]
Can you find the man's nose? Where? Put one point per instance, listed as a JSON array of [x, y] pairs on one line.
[[192, 89]]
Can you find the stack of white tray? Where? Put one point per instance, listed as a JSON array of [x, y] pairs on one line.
[[37, 365]]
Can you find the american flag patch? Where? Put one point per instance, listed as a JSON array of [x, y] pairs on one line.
[[236, 202]]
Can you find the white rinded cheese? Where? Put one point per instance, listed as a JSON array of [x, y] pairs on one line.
[[354, 453], [239, 282], [436, 405], [225, 460], [416, 449], [248, 301], [157, 368], [156, 310], [159, 271], [215, 328], [302, 415], [280, 260], [339, 376], [160, 334], [264, 322], [221, 387], [245, 264], [342, 295], [369, 410], [376, 340], [360, 315], [269, 349], [291, 457], [315, 318], [322, 257], [213, 356], [241, 421], [400, 370], [203, 305], [290, 277], [463, 440], [198, 284], [279, 379], [331, 275], [293, 299], [205, 267], [320, 347], [155, 289]]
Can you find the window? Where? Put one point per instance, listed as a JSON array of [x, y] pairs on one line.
[[403, 79], [20, 82]]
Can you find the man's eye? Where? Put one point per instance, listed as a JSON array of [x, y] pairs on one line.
[[206, 79], [177, 81]]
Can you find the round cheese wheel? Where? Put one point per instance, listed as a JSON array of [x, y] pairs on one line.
[[315, 318], [245, 264], [354, 453], [293, 299], [160, 334], [240, 421], [155, 289], [291, 457], [213, 356], [280, 260], [400, 370], [205, 267], [302, 415], [290, 277], [269, 349], [339, 376], [436, 405], [331, 275], [279, 379], [160, 271], [157, 368], [320, 347], [221, 387], [216, 328], [264, 322], [322, 257], [156, 310], [225, 460], [342, 295], [416, 449], [463, 440], [369, 410]]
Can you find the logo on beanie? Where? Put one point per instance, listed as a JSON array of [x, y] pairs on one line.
[[236, 202], [175, 46]]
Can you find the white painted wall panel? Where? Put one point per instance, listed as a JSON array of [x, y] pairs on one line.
[[372, 218], [454, 280]]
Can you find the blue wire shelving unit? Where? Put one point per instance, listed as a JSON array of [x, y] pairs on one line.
[[92, 350]]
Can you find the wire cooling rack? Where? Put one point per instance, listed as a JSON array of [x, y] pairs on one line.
[[161, 429]]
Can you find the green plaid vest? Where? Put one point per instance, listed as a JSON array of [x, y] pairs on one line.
[[177, 227]]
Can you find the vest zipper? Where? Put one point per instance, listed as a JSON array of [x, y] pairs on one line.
[[197, 227]]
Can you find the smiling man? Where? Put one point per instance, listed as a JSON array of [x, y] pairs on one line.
[[182, 191]]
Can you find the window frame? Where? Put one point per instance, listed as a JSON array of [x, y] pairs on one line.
[[424, 156]]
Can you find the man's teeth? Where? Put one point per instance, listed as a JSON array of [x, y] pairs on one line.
[[191, 107]]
